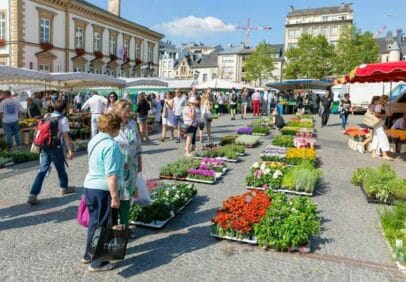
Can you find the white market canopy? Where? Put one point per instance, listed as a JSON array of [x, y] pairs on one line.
[[220, 84], [181, 83], [146, 82], [11, 75], [84, 80]]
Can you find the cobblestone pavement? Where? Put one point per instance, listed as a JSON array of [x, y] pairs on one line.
[[44, 243]]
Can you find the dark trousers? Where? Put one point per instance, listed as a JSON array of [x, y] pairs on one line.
[[98, 203], [324, 117]]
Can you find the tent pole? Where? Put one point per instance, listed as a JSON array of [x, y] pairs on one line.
[[390, 107]]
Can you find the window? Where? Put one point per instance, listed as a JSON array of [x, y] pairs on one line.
[[59, 67], [343, 18], [334, 43], [97, 40], [169, 74], [77, 70], [334, 31], [2, 25], [170, 64], [137, 49], [297, 33], [113, 45], [44, 67], [150, 53], [204, 77], [213, 76], [291, 45], [164, 65], [315, 31], [324, 31], [306, 30], [291, 34], [45, 30], [79, 38], [325, 18], [164, 74], [126, 47]]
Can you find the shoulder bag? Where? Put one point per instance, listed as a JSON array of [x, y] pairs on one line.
[[372, 121]]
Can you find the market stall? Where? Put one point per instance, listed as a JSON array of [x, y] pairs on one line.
[[221, 84], [303, 85]]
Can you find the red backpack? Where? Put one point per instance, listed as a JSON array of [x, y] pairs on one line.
[[46, 135]]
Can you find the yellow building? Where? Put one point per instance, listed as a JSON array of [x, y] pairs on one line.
[[74, 35]]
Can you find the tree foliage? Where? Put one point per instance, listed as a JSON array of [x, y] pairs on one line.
[[260, 63], [353, 49], [311, 58]]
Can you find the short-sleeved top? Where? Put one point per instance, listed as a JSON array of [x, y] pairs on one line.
[[63, 124], [326, 102], [178, 104], [10, 108], [97, 104], [256, 96], [105, 160], [187, 111]]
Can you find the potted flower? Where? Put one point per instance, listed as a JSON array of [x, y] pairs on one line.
[[201, 175], [113, 57], [99, 55], [2, 42], [260, 130], [46, 46], [80, 52], [245, 130]]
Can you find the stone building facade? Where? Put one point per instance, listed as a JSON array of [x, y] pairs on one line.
[[74, 35]]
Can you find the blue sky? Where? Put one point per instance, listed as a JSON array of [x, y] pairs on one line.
[[213, 21]]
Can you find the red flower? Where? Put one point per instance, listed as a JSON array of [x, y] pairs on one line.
[[46, 46], [80, 52], [98, 55], [2, 42], [240, 213]]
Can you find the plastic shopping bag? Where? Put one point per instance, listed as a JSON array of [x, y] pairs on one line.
[[143, 197], [83, 213]]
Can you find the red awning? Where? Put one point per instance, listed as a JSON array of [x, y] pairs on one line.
[[380, 72]]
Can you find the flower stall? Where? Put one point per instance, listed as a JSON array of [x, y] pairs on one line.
[[268, 219], [167, 200]]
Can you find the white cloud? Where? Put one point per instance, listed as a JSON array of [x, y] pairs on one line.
[[194, 26]]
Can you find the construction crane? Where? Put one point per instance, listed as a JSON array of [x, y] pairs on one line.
[[248, 28]]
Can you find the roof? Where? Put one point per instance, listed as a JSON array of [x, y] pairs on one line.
[[276, 47], [207, 61], [233, 50], [344, 8], [95, 7]]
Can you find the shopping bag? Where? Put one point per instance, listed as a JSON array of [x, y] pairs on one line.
[[143, 197], [372, 121], [83, 213], [108, 242]]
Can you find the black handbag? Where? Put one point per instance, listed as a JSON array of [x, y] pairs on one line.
[[108, 242]]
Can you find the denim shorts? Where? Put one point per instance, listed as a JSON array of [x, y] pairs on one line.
[[142, 119]]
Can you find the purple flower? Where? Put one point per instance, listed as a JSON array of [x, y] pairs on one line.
[[245, 130], [202, 172]]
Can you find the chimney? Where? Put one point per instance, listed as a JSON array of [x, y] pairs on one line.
[[291, 8], [114, 7]]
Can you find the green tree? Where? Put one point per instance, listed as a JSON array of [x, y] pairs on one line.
[[353, 49], [260, 64], [311, 58]]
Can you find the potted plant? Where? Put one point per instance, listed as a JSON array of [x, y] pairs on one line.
[[2, 42], [46, 46], [99, 55], [80, 52]]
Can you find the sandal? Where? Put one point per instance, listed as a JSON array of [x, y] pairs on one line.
[[106, 267]]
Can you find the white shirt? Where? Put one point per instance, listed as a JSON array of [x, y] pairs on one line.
[[10, 108], [399, 124], [78, 99], [178, 104], [96, 103], [256, 96], [63, 124]]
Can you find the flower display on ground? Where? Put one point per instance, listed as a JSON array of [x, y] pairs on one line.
[[245, 130], [240, 213]]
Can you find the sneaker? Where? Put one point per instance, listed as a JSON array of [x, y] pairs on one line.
[[85, 260], [177, 140], [68, 190], [132, 234], [32, 200], [109, 266]]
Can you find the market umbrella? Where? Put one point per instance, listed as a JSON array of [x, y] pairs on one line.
[[300, 84], [379, 72]]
